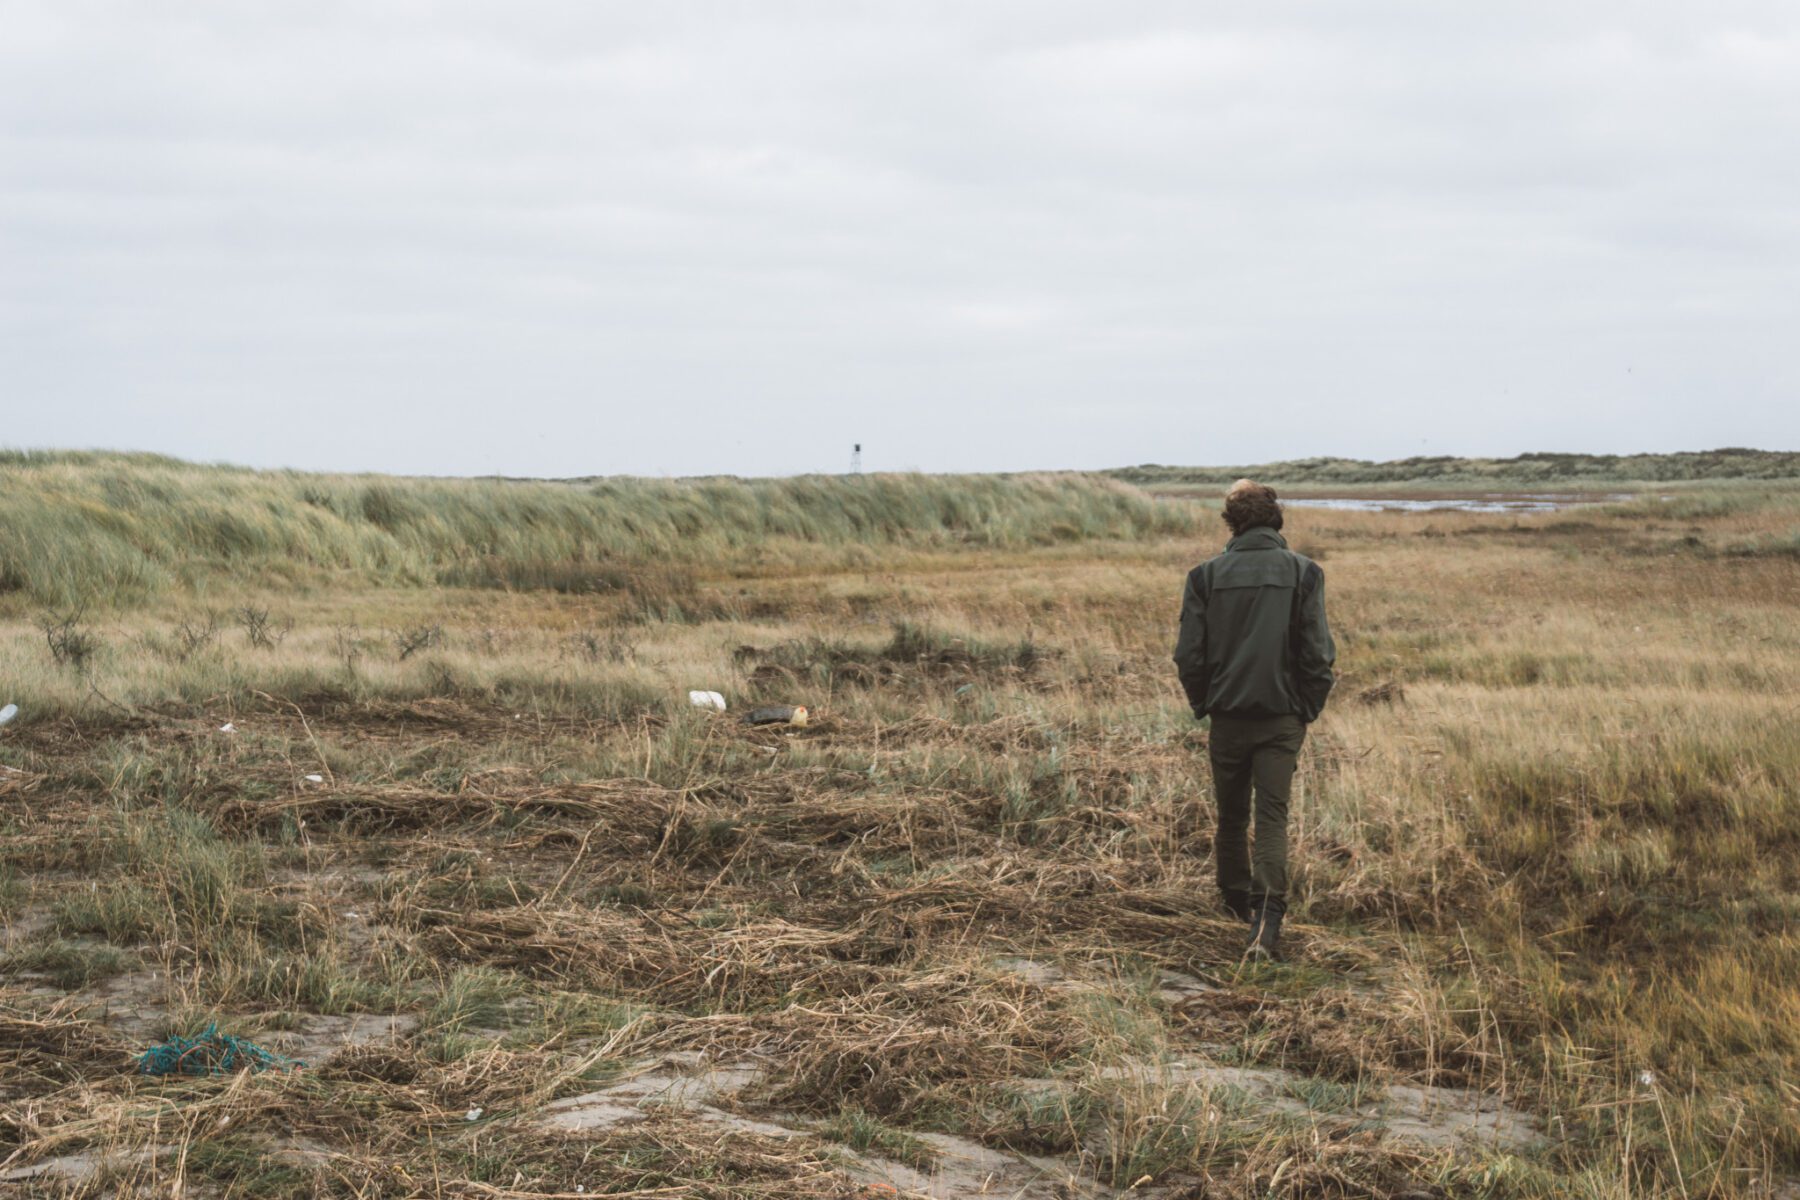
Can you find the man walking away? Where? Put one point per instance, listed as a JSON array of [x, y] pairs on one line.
[[1255, 654]]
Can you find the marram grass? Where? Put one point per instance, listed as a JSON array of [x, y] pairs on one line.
[[99, 530]]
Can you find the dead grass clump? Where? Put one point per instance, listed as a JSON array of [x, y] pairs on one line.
[[631, 809], [666, 1156], [388, 1096], [664, 960], [793, 824], [363, 719], [491, 1080], [904, 1047], [1389, 692], [595, 947], [1352, 1167], [1011, 734], [911, 650], [16, 782], [379, 1064], [1349, 1036], [47, 1048]]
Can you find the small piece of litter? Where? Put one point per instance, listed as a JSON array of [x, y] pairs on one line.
[[1647, 1078], [212, 1053], [778, 714], [228, 727], [315, 779], [710, 700], [8, 713], [474, 1114]]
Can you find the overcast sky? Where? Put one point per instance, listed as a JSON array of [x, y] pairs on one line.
[[579, 237]]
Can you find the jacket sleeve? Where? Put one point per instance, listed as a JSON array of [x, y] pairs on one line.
[[1190, 643], [1315, 652]]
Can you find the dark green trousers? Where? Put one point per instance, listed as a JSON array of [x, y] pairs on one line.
[[1254, 758]]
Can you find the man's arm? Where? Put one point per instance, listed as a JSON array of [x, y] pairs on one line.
[[1190, 644], [1315, 652]]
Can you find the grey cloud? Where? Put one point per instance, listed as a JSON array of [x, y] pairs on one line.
[[569, 238]]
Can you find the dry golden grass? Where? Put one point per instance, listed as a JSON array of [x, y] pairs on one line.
[[1546, 851]]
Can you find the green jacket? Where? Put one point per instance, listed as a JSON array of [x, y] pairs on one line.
[[1254, 642]]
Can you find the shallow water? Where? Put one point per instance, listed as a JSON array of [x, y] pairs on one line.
[[1490, 502]]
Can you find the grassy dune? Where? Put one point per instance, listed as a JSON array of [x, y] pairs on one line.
[[111, 530], [1707, 468], [1545, 843]]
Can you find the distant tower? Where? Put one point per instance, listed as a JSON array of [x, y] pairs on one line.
[[856, 459]]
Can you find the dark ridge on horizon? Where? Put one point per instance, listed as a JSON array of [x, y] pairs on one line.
[[1731, 462]]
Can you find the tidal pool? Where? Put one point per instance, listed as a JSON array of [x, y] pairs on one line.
[[1487, 502]]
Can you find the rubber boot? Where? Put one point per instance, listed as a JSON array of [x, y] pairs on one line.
[[1265, 929], [1237, 903]]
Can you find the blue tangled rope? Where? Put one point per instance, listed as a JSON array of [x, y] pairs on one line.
[[212, 1053]]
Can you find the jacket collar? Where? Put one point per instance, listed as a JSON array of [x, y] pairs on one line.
[[1259, 537]]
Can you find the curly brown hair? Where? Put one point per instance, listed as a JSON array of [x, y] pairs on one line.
[[1249, 505]]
